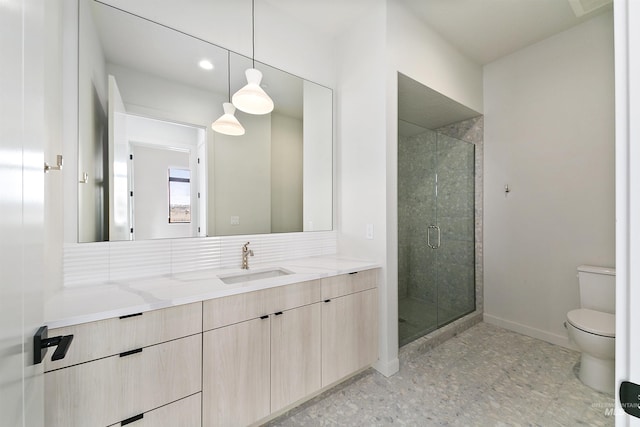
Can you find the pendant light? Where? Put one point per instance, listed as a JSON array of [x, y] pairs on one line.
[[227, 123], [252, 98]]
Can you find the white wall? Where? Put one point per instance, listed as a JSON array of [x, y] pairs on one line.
[[286, 174], [549, 134], [318, 158], [384, 42], [361, 158], [422, 54], [242, 191]]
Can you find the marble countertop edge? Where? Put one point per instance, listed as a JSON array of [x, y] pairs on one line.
[[82, 304]]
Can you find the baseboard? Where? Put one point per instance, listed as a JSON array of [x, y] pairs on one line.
[[389, 368], [529, 331]]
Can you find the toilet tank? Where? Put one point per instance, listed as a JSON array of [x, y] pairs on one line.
[[597, 288]]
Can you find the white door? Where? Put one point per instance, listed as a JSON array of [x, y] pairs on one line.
[[627, 53], [21, 207]]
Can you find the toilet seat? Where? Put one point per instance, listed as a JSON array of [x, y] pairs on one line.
[[593, 322]]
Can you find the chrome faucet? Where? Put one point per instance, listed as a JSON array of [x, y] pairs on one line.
[[246, 252]]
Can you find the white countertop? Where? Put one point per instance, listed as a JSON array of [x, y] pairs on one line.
[[72, 306]]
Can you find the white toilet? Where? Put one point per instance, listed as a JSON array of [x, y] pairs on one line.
[[592, 327]]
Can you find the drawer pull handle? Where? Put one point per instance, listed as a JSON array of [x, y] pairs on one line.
[[278, 313], [130, 352], [266, 316], [130, 315], [354, 272], [132, 419], [327, 300], [41, 342]]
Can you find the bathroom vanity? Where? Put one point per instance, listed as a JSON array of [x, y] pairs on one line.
[[216, 354]]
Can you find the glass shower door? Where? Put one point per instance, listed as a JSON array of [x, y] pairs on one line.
[[417, 290], [455, 213], [436, 232]]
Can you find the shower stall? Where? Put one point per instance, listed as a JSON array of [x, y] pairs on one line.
[[436, 232]]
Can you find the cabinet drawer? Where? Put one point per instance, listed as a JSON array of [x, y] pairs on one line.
[[345, 284], [112, 389], [250, 305], [183, 413], [104, 338]]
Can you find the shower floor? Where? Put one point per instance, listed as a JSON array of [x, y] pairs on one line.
[[417, 318]]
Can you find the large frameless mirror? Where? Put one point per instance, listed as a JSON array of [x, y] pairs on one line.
[[151, 166]]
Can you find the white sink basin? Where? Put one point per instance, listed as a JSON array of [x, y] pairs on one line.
[[251, 275]]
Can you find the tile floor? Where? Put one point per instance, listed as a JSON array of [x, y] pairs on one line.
[[418, 317], [485, 376]]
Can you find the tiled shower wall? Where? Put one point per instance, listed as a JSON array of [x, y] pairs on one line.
[[94, 263], [459, 222]]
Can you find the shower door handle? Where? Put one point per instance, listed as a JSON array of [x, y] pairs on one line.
[[433, 227]]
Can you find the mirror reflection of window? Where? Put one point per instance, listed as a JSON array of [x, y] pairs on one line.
[[179, 196]]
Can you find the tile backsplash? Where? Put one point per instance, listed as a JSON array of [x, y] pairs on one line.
[[94, 263]]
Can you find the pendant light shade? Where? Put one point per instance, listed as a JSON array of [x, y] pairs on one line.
[[252, 98], [227, 123]]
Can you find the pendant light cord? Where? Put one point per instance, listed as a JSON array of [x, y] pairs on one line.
[[229, 74], [253, 33]]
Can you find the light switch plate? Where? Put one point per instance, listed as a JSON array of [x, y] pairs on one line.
[[369, 232]]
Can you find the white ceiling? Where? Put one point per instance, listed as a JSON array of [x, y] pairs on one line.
[[328, 17], [484, 30], [420, 107], [156, 50]]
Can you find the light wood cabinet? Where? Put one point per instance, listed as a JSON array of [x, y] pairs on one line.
[[250, 305], [295, 355], [182, 413], [345, 284], [235, 383], [230, 361], [112, 389], [121, 368], [104, 338], [259, 366], [349, 334]]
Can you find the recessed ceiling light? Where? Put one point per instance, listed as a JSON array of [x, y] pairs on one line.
[[205, 64]]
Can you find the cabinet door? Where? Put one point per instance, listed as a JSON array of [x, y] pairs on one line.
[[349, 334], [295, 355], [235, 384]]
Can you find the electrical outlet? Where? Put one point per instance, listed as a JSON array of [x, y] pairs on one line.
[[235, 220]]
